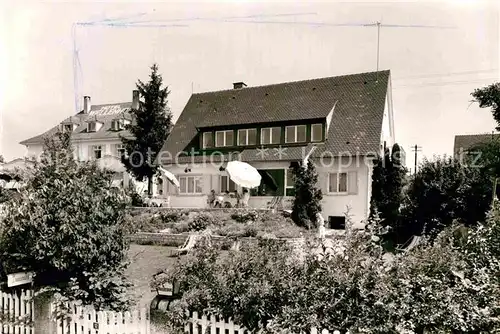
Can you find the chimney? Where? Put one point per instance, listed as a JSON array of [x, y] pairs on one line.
[[86, 104], [239, 85], [135, 99]]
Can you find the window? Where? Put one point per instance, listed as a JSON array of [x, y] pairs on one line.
[[295, 134], [270, 135], [190, 185], [120, 150], [224, 138], [271, 184], [290, 183], [226, 184], [343, 183], [68, 128], [117, 124], [336, 222], [91, 127], [159, 186], [208, 140], [97, 151], [247, 137], [317, 132]]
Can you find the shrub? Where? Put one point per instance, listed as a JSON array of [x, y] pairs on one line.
[[201, 221], [307, 200], [250, 231], [171, 216], [244, 216]]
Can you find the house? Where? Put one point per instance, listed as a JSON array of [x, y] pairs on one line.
[[95, 134], [464, 143], [340, 123]]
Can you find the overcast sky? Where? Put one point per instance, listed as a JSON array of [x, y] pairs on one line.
[[207, 46]]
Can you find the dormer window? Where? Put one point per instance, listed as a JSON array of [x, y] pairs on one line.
[[117, 125], [68, 128], [92, 127]]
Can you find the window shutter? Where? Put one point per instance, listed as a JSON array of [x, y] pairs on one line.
[[114, 150], [91, 152], [352, 183]]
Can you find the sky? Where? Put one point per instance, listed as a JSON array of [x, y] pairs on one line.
[[206, 46]]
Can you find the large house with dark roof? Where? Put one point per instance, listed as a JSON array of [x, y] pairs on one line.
[[340, 123]]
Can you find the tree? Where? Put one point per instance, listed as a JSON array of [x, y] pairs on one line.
[[442, 191], [2, 159], [67, 227], [150, 128], [489, 97], [307, 200], [388, 180]]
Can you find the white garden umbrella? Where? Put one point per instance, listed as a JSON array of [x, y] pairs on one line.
[[171, 177], [243, 174]]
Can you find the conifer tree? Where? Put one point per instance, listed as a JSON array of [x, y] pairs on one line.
[[307, 201], [150, 128]]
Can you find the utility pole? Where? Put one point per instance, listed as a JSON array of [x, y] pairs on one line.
[[416, 149]]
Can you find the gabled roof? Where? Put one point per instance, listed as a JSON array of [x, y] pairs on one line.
[[356, 123], [103, 113], [466, 142]]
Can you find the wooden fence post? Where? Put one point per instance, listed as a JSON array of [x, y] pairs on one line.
[[43, 322]]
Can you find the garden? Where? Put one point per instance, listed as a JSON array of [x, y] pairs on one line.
[[232, 223]]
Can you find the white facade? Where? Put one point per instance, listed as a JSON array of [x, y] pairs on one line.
[[355, 200]]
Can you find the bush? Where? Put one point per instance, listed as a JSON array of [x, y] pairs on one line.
[[250, 231], [441, 192], [171, 216], [307, 200], [244, 216], [201, 221], [445, 286]]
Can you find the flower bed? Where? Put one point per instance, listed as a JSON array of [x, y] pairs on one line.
[[227, 223]]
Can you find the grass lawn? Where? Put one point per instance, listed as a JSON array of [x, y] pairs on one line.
[[145, 262]]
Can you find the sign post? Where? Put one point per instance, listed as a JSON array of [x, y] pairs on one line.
[[19, 279]]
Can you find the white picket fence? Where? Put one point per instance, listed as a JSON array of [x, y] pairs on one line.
[[215, 325], [17, 312], [86, 320]]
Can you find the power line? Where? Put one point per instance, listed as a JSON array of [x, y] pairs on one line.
[[448, 83], [438, 75]]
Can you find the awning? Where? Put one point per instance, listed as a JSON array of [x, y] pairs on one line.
[[243, 174], [170, 177]]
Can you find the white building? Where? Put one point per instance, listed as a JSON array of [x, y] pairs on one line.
[[95, 133], [340, 123]]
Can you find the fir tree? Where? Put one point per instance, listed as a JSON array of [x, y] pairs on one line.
[[150, 128], [307, 201], [388, 179]]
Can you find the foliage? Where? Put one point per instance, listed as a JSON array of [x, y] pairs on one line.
[[388, 180], [450, 285], [307, 200], [244, 216], [150, 128], [201, 221], [2, 159], [442, 191], [489, 97], [67, 228], [219, 222]]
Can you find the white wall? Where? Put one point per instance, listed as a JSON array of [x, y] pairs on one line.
[[81, 148], [333, 204]]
